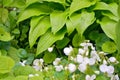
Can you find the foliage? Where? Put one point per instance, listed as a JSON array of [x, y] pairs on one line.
[[29, 27]]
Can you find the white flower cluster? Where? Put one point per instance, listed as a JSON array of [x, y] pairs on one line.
[[87, 56]]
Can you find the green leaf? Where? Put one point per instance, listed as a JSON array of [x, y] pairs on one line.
[[56, 1], [119, 10], [108, 26], [77, 39], [110, 7], [12, 52], [109, 47], [48, 39], [117, 30], [23, 70], [7, 2], [35, 9], [102, 38], [77, 5], [38, 27], [4, 35], [93, 35], [22, 53], [58, 19], [49, 57], [3, 15], [102, 77], [28, 2], [6, 64], [37, 78], [62, 43], [110, 15], [21, 78], [18, 3], [84, 21]]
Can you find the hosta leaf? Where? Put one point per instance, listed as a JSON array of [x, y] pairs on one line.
[[6, 64], [3, 15], [110, 7], [48, 39], [4, 35], [110, 15], [35, 9], [108, 27], [84, 21], [38, 27], [58, 19], [79, 4], [57, 1], [109, 47]]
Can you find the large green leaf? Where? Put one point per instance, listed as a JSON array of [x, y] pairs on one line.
[[38, 27], [58, 19], [110, 7], [48, 39], [108, 27], [86, 19], [4, 35], [35, 9], [6, 64], [79, 4]]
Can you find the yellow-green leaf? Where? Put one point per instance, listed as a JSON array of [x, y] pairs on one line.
[[6, 64]]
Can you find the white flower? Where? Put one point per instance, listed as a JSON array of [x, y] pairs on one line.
[[67, 50], [38, 62], [112, 59], [94, 55], [103, 68], [50, 49], [115, 77], [88, 77], [82, 67], [110, 70], [79, 59], [81, 51], [71, 67], [57, 61], [38, 68], [91, 61], [86, 60], [59, 68]]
